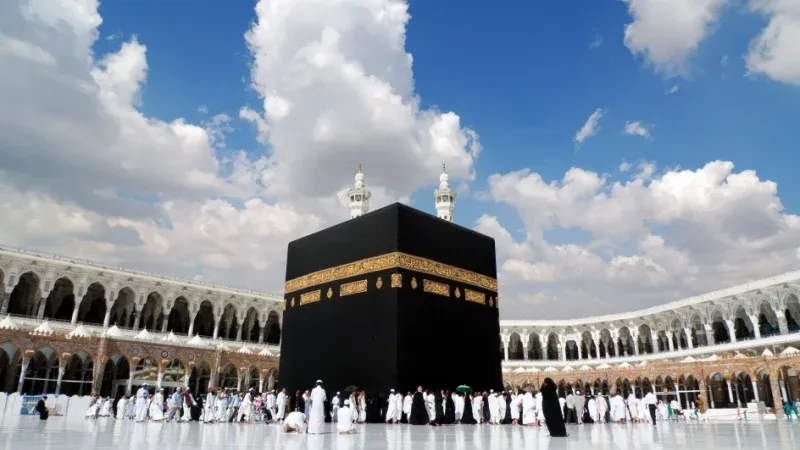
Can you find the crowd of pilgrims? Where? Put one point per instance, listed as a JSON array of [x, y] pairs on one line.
[[307, 411]]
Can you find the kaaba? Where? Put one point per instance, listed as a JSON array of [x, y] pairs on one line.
[[393, 299]]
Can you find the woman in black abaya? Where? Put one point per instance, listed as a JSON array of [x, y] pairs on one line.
[[449, 417], [467, 418], [419, 415], [552, 409]]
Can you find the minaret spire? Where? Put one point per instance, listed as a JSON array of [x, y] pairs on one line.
[[444, 197], [358, 196]]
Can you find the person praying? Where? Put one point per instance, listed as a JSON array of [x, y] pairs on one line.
[[551, 408], [295, 421], [477, 407], [105, 409], [157, 407], [142, 395], [335, 408], [122, 407], [280, 405], [419, 413], [516, 407], [41, 408], [468, 413], [316, 417], [391, 409], [579, 403], [408, 400], [398, 413], [344, 419], [617, 408], [246, 407], [528, 409], [593, 411], [209, 408]]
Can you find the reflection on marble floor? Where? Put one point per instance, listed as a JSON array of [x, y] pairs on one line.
[[29, 433]]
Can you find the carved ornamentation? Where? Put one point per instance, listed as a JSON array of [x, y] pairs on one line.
[[397, 280], [329, 294], [396, 260], [434, 287], [354, 287], [413, 282], [310, 297], [458, 293], [379, 283], [474, 296]]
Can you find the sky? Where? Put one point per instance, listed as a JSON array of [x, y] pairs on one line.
[[622, 153]]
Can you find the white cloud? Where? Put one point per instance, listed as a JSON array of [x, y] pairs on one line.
[[596, 43], [630, 244], [166, 195], [673, 90], [636, 129], [667, 33], [775, 52], [337, 88], [589, 128]]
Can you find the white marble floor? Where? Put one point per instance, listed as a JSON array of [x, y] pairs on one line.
[[29, 433]]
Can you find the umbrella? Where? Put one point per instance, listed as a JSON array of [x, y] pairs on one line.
[[464, 388]]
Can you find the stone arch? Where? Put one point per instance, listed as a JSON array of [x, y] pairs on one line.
[[123, 310], [41, 375], [719, 328], [78, 375], [272, 329], [645, 341], [663, 340], [115, 383], [251, 328], [742, 388], [764, 388], [552, 347], [743, 327], [664, 388], [600, 386], [572, 350], [718, 390], [789, 384], [254, 379], [10, 368], [92, 307], [174, 372], [229, 377], [698, 336], [199, 377], [204, 320], [515, 347], [588, 346], [606, 346], [625, 342], [641, 386], [689, 388], [25, 297], [61, 301], [623, 386], [792, 313], [152, 312], [767, 319], [179, 318], [229, 323], [534, 347]]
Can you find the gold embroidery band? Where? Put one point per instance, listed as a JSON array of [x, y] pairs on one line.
[[474, 296], [391, 261], [310, 297], [355, 287], [437, 288]]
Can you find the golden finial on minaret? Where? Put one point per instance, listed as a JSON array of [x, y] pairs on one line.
[[444, 169], [359, 167]]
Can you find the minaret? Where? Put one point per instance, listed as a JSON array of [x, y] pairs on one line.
[[359, 196], [444, 197]]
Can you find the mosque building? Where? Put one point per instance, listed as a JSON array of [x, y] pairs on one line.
[[75, 327]]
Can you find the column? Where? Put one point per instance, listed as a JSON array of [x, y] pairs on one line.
[[756, 329], [186, 378], [755, 391], [164, 324], [709, 334], [505, 347], [107, 318], [776, 397], [42, 303], [782, 325], [191, 328], [596, 342], [61, 371], [670, 335], [138, 315], [731, 398], [74, 319], [261, 338], [239, 331], [239, 385], [261, 384], [216, 328], [678, 393], [271, 382], [731, 330], [784, 397], [129, 387], [525, 351], [5, 296], [654, 340], [635, 344], [22, 375], [688, 332], [160, 378], [562, 356]]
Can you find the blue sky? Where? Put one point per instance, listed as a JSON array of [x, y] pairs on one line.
[[169, 184]]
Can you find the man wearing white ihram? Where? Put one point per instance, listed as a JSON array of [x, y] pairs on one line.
[[344, 423], [316, 416], [391, 410]]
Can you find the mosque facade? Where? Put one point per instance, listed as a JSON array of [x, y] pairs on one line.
[[76, 327]]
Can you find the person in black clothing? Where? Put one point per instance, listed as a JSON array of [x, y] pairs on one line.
[[449, 417], [438, 408], [486, 413], [552, 409], [419, 415], [507, 398], [466, 417], [41, 408]]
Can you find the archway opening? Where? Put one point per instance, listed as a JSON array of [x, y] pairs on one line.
[[78, 375], [204, 320], [25, 296], [61, 301], [41, 376], [92, 308], [178, 320], [123, 311], [10, 368], [273, 329]]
